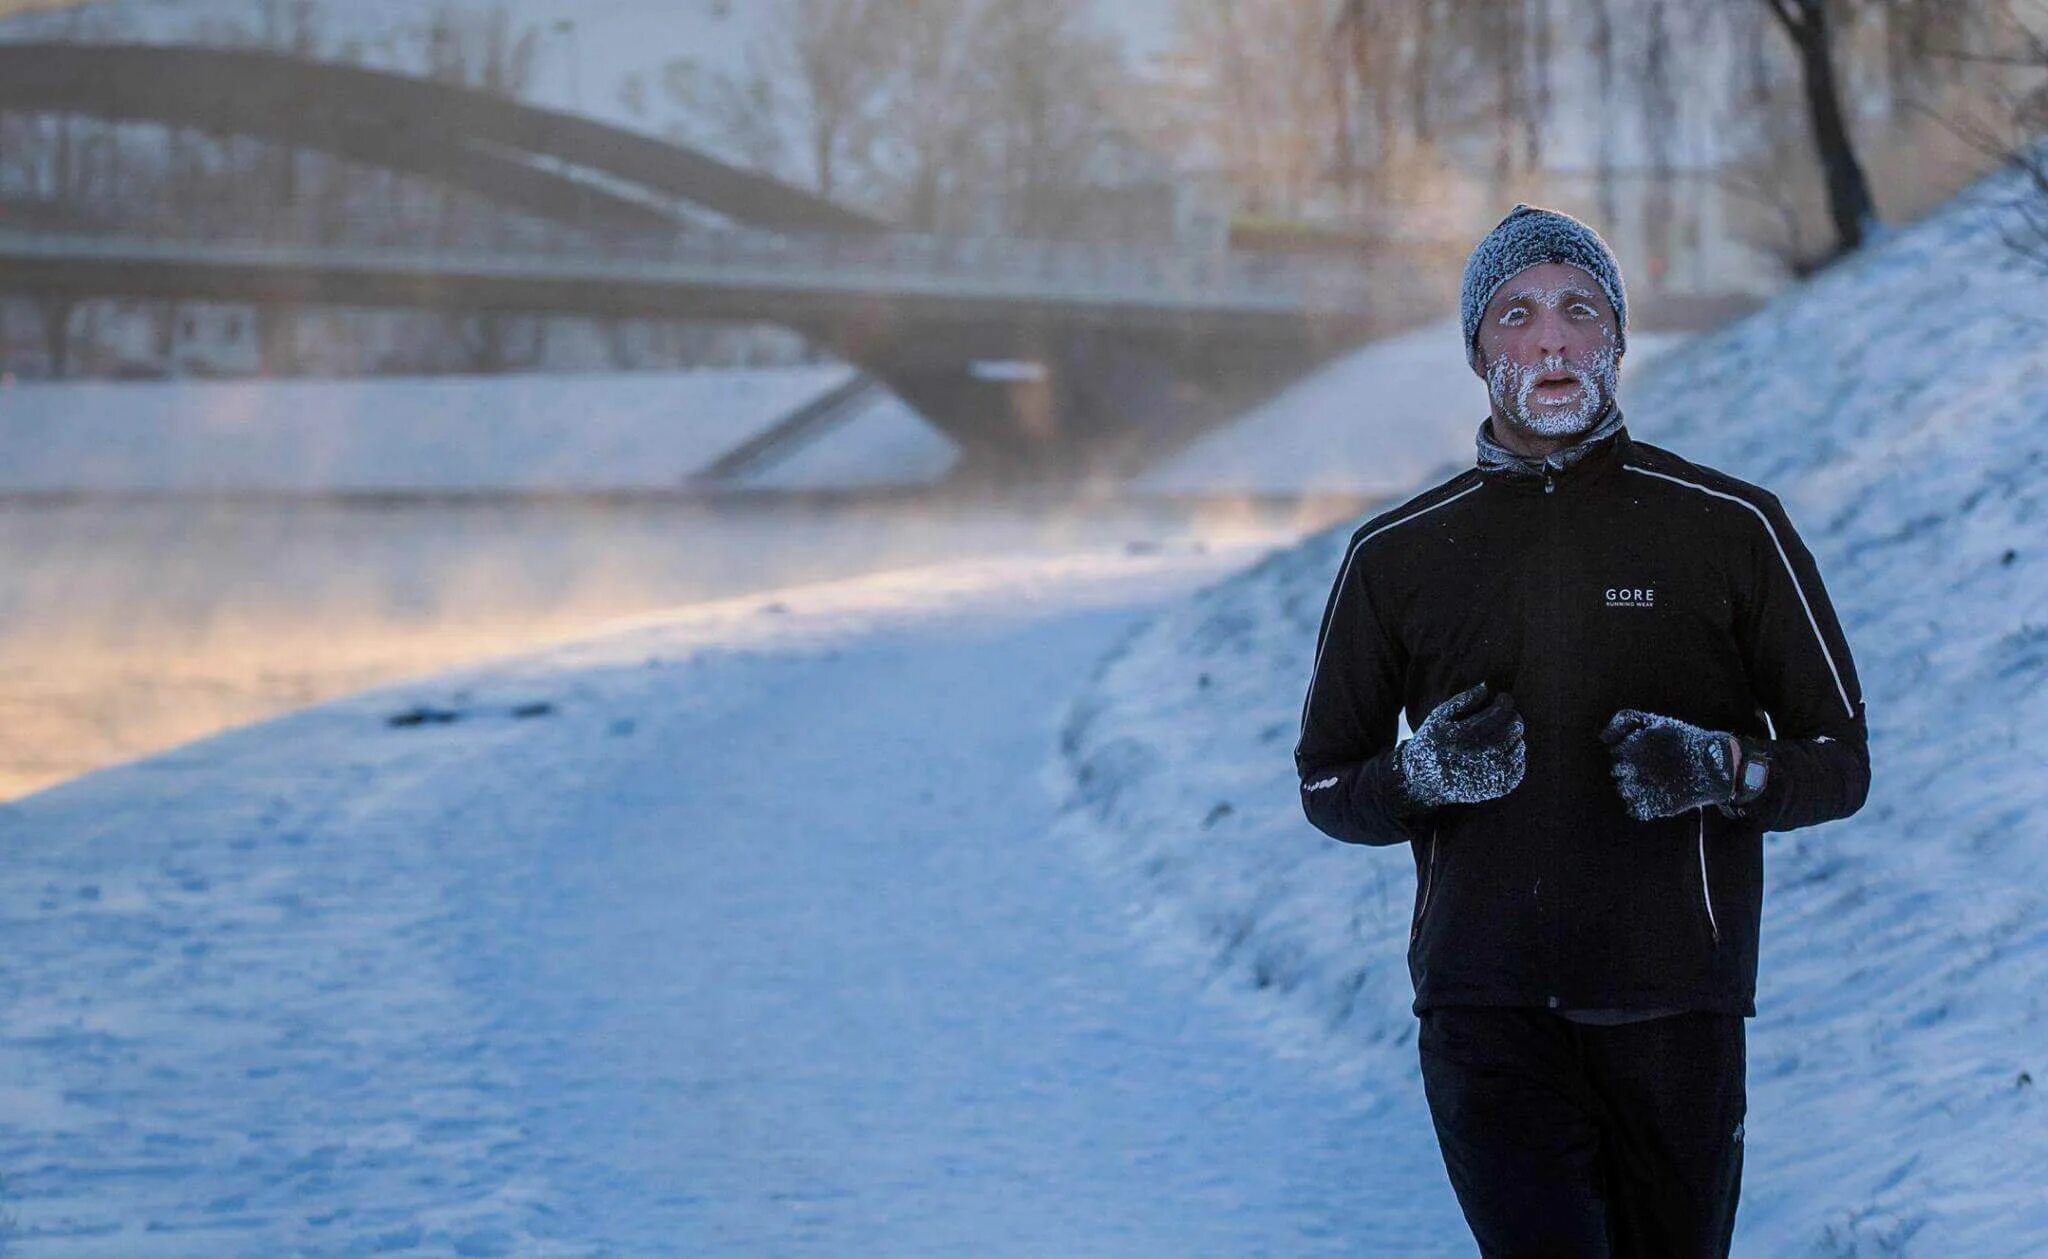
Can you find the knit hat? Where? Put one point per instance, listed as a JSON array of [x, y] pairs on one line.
[[1527, 236]]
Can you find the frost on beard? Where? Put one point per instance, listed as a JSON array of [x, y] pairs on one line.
[[1512, 386]]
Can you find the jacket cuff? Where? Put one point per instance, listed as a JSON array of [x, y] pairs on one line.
[[1386, 781]]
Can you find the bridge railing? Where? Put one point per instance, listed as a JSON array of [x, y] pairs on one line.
[[891, 261]]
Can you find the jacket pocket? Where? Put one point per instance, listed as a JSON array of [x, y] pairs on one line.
[[1429, 878], [1704, 900]]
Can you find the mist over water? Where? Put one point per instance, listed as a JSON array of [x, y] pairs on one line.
[[128, 626]]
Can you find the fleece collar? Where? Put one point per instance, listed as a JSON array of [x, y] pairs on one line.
[[1496, 458]]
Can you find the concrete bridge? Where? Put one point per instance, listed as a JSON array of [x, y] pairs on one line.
[[1039, 359]]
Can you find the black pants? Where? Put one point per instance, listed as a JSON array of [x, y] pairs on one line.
[[1575, 1139]]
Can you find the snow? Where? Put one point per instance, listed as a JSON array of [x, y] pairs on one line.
[[885, 442], [970, 908], [613, 430], [756, 940], [650, 430], [1895, 403]]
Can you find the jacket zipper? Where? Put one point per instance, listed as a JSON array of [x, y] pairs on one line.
[[1428, 886], [1553, 634], [1707, 895]]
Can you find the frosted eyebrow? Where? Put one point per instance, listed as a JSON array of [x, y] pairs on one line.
[[1550, 295]]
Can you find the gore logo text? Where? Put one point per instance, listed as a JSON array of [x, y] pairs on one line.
[[1631, 596]]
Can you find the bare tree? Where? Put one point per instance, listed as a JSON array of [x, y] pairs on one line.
[[741, 116], [1658, 89], [1601, 19], [806, 105], [1048, 71], [947, 114], [484, 51], [840, 70], [928, 154], [1807, 24], [1282, 94], [1399, 55], [1478, 76], [2012, 55]]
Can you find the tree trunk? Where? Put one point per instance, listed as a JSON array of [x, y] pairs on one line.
[[1603, 50], [1849, 199], [1421, 70], [1537, 115]]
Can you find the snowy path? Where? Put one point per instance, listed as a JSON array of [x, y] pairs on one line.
[[760, 941]]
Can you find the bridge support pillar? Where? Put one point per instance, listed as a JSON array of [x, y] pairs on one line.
[[277, 338], [55, 311]]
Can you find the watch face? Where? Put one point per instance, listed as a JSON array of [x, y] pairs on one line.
[[1752, 774]]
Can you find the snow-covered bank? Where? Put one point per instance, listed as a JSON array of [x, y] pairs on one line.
[[565, 431], [1375, 419], [1898, 405]]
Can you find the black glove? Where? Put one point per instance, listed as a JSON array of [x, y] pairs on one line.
[[1662, 765], [1466, 750]]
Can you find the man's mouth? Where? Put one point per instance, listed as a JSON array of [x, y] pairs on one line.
[[1555, 387]]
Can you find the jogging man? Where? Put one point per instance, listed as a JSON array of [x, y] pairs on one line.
[[1621, 669]]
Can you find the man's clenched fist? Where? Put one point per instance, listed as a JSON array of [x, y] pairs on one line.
[[1662, 765], [1466, 750]]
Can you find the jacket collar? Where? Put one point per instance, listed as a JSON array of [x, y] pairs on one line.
[[1580, 462]]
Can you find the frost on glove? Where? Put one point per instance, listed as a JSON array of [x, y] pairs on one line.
[[1662, 765], [1466, 750]]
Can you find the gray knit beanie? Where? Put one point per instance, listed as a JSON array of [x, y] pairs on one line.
[[1527, 236]]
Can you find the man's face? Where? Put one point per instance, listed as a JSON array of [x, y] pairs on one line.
[[1547, 348]]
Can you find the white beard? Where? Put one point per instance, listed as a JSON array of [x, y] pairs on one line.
[[1512, 388]]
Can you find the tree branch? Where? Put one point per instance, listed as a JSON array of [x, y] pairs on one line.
[[1792, 23]]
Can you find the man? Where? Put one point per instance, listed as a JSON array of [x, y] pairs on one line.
[[1588, 635]]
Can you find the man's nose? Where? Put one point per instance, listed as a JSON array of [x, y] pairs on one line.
[[1550, 331]]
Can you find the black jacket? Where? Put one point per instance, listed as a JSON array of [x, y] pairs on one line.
[[1630, 579]]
